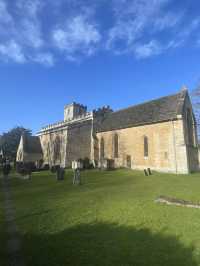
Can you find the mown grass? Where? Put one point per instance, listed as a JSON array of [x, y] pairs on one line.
[[111, 219]]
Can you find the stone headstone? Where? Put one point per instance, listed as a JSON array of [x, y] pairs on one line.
[[145, 172], [149, 171]]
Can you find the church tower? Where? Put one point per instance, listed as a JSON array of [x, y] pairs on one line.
[[74, 110]]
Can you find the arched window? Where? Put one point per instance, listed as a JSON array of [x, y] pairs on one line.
[[116, 146], [102, 148], [57, 146], [146, 147]]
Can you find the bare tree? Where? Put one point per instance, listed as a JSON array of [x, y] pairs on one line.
[[196, 103]]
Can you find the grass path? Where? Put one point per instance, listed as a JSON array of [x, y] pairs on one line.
[[12, 248], [3, 235], [111, 219]]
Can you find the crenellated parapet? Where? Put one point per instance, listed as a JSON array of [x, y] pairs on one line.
[[102, 111], [63, 124]]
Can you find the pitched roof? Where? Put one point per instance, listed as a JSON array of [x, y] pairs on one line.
[[159, 110], [32, 144]]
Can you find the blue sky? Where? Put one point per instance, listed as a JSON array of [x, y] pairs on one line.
[[96, 52]]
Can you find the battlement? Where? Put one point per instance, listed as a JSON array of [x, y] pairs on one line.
[[62, 124], [75, 113], [102, 111]]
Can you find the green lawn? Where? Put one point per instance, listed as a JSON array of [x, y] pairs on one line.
[[3, 236], [109, 220]]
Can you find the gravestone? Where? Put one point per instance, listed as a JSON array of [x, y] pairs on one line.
[[149, 171], [60, 172], [77, 166], [145, 172]]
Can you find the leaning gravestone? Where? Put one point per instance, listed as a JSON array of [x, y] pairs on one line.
[[149, 171], [145, 172]]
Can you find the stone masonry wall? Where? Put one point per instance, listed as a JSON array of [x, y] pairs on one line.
[[191, 147], [54, 146], [79, 141], [166, 150]]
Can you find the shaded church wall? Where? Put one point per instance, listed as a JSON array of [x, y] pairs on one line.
[[24, 156], [179, 151], [166, 151], [54, 146], [79, 141], [44, 140], [190, 135]]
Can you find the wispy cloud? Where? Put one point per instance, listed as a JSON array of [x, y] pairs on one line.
[[148, 49], [13, 51], [131, 19], [44, 32], [29, 24], [5, 17], [167, 21], [191, 27], [76, 35], [19, 37], [138, 19], [46, 59]]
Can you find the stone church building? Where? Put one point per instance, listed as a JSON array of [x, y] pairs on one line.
[[160, 134]]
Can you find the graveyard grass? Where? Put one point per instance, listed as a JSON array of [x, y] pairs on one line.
[[111, 219]]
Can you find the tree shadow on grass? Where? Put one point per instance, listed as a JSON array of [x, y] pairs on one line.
[[104, 244]]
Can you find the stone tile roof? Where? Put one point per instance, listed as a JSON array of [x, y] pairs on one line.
[[159, 110], [32, 144]]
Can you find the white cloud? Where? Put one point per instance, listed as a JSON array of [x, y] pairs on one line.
[[31, 34], [13, 51], [146, 28], [29, 24], [46, 59], [6, 20], [134, 18], [77, 35], [167, 21], [148, 49], [5, 17], [31, 7], [40, 31], [20, 30], [189, 28]]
